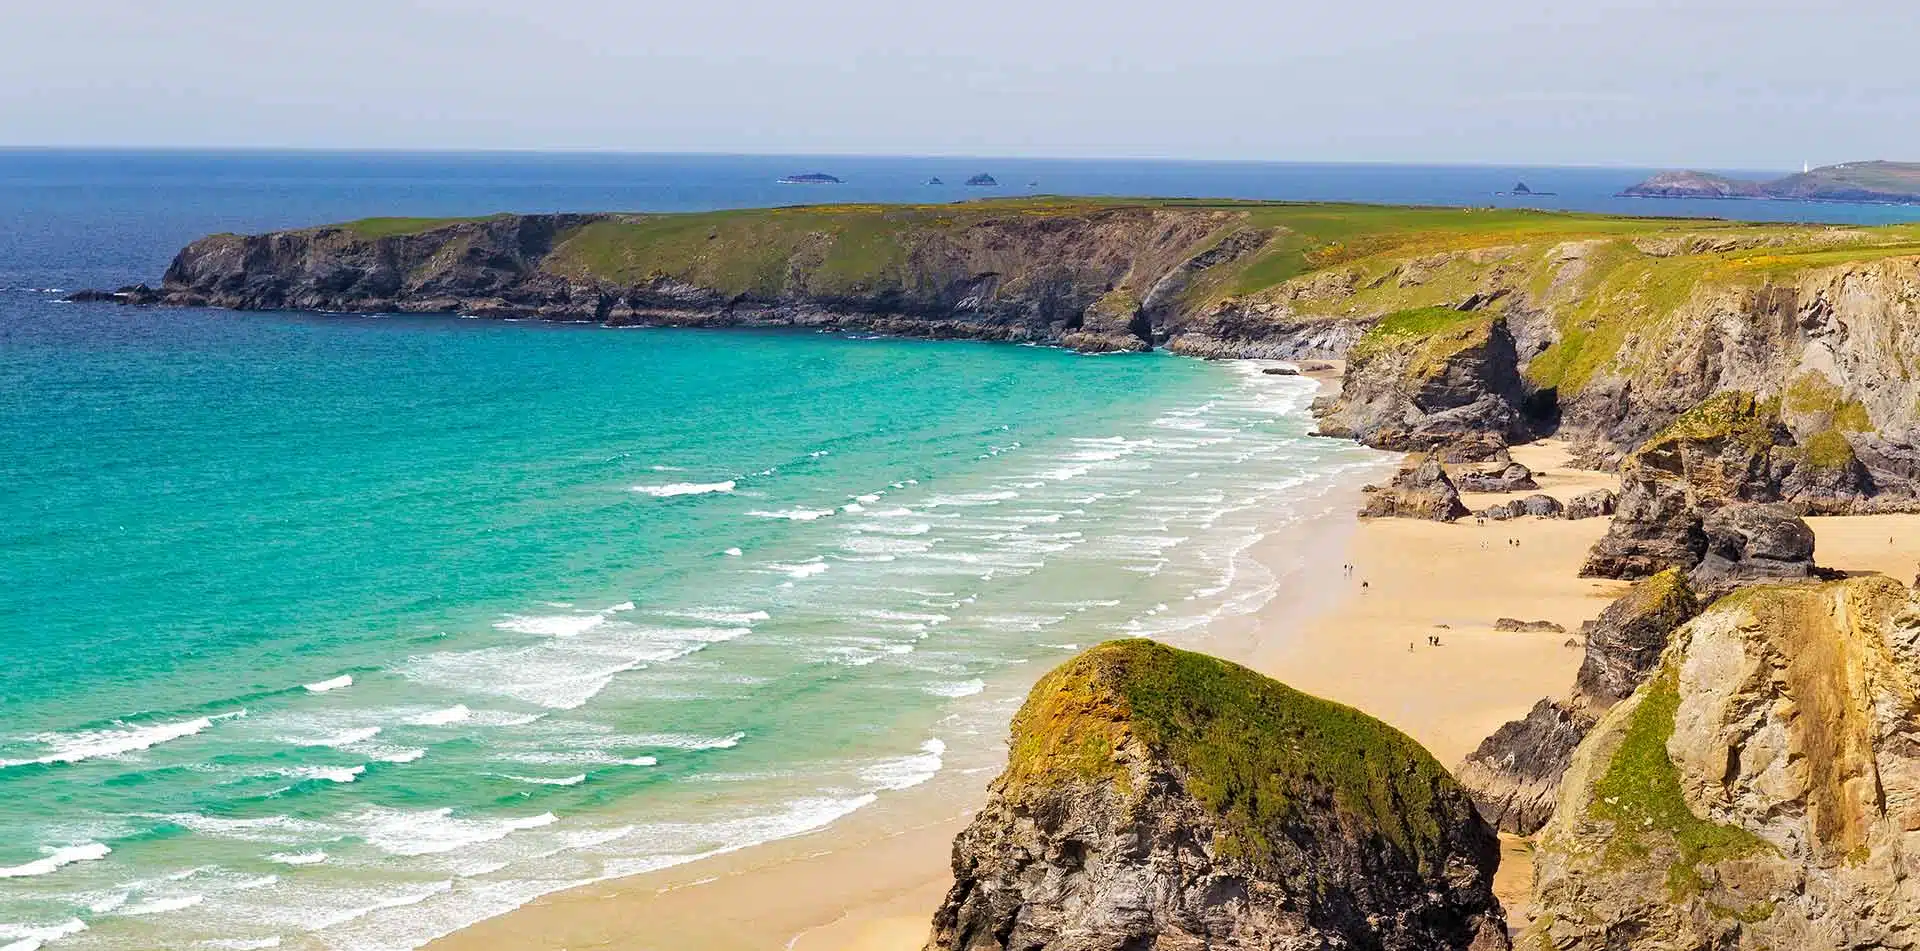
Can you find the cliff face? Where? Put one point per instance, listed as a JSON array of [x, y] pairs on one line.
[[1023, 272], [1465, 329], [1155, 798], [1515, 773], [1759, 791]]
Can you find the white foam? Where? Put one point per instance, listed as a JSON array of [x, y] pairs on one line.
[[552, 625], [684, 488], [332, 774], [964, 688], [907, 772], [344, 680], [793, 514], [409, 833], [57, 859], [400, 754], [454, 714], [722, 617], [90, 744], [681, 741], [342, 738], [547, 781], [314, 857], [805, 569], [732, 553], [275, 829], [161, 906], [22, 937]]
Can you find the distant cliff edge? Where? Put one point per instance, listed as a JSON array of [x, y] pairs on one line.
[[1872, 182]]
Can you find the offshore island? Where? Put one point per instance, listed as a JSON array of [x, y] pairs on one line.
[[1621, 655]]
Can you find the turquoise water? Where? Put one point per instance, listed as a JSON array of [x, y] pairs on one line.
[[345, 632]]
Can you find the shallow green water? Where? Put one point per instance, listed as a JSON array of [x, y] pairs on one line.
[[344, 632]]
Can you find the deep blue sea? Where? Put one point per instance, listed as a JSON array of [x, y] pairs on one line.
[[344, 632]]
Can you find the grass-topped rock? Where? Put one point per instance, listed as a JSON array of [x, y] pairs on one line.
[[1155, 797], [1760, 790]]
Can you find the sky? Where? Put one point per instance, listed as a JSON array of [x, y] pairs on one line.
[[1702, 83]]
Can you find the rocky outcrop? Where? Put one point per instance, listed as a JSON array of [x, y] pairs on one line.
[[1760, 791], [1421, 489], [1515, 774], [1533, 506], [1498, 477], [1720, 452], [1413, 387], [1625, 643], [1749, 544], [1155, 798], [1593, 503]]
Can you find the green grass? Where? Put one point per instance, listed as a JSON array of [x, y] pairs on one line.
[[1730, 416], [1640, 793], [392, 227], [1257, 754]]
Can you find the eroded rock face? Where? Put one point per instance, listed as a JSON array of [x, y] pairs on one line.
[[1748, 544], [1593, 503], [1625, 643], [1720, 452], [1160, 799], [1761, 790], [1515, 773], [1507, 477], [1458, 391], [1421, 489]]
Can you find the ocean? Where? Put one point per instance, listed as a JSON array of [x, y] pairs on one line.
[[345, 632]]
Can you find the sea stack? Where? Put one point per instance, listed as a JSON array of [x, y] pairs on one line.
[[982, 180], [1157, 798]]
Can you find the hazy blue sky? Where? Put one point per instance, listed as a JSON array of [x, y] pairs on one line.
[[1740, 83]]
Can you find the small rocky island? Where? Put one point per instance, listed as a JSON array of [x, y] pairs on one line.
[[983, 180], [935, 181], [811, 178], [1893, 183]]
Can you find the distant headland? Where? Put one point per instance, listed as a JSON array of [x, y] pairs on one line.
[[1879, 182]]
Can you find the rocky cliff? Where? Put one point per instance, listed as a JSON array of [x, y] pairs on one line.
[[1515, 773], [1466, 329], [1761, 790], [1155, 798]]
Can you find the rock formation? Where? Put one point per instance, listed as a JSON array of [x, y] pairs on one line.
[[1421, 489], [1412, 387], [1593, 503], [1535, 506], [1155, 798], [1625, 643], [1498, 477], [1752, 543], [1718, 453], [1515, 774], [1760, 791]]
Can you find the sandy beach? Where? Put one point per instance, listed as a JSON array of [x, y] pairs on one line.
[[872, 882]]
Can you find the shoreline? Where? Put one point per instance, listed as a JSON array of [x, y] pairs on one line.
[[871, 881]]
